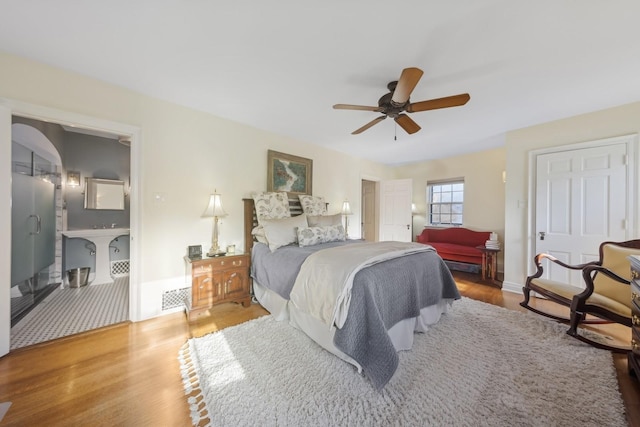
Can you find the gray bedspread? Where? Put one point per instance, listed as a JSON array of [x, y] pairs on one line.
[[278, 270], [382, 295]]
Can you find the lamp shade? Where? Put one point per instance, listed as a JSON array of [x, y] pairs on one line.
[[346, 208], [215, 206]]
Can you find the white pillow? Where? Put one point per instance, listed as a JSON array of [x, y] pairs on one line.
[[324, 220], [313, 205], [282, 232], [258, 233], [273, 205]]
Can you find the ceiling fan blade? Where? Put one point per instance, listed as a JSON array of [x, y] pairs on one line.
[[356, 107], [408, 81], [407, 124], [368, 125], [434, 104]]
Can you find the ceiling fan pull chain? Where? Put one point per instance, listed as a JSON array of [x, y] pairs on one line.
[[395, 131]]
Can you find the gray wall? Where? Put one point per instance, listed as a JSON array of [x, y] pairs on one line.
[[94, 157]]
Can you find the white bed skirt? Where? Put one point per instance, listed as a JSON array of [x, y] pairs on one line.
[[401, 333]]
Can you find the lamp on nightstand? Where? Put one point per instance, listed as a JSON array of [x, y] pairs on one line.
[[346, 211], [215, 210]]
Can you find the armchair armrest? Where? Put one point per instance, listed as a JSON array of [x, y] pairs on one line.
[[538, 262]]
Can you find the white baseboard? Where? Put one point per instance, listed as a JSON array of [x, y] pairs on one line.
[[512, 287]]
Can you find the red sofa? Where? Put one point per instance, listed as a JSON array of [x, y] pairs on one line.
[[456, 243]]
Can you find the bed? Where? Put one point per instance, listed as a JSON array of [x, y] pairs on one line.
[[394, 289]]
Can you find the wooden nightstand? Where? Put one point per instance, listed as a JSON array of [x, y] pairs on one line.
[[217, 280]]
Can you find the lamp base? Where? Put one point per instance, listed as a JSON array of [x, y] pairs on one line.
[[215, 254]]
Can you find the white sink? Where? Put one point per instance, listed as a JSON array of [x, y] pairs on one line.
[[101, 237], [96, 232]]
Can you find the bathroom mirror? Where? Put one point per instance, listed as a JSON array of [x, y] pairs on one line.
[[103, 194]]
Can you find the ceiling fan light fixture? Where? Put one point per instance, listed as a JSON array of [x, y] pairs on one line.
[[396, 102]]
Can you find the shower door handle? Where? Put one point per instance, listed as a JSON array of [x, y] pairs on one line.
[[38, 224]]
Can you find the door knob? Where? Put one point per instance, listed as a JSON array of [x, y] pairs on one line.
[[541, 234]]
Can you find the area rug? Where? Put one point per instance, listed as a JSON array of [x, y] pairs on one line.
[[481, 365]]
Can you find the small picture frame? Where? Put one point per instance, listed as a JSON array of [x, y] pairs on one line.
[[289, 173], [195, 252], [231, 249]]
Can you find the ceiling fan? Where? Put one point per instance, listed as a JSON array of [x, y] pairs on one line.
[[394, 103]]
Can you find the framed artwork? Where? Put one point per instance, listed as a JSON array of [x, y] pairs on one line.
[[289, 173]]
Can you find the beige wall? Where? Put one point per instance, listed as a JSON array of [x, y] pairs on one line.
[[617, 121], [184, 155], [483, 188]]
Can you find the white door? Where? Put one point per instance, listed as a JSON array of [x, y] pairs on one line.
[[5, 230], [581, 201], [395, 210], [368, 210]]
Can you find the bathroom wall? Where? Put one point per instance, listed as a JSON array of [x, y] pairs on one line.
[[94, 157]]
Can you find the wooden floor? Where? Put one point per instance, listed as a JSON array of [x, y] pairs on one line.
[[129, 374]]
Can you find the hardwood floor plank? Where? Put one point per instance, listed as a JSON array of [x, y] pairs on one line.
[[129, 374]]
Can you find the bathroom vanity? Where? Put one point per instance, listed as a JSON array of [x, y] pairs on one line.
[[101, 237]]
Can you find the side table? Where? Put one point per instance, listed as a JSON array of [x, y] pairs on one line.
[[489, 262]]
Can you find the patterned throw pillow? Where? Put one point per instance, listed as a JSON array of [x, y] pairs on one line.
[[309, 236], [335, 233], [313, 205], [274, 205]]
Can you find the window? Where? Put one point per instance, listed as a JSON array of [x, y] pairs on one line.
[[445, 200]]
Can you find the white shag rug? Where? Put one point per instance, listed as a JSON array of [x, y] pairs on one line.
[[481, 365]]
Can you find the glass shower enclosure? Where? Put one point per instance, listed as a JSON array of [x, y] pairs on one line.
[[33, 239]]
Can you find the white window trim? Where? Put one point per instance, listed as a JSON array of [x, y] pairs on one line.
[[430, 184]]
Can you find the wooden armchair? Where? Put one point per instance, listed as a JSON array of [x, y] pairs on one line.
[[606, 295]]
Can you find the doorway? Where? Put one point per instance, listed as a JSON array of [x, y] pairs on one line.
[[72, 306], [9, 108], [368, 215]]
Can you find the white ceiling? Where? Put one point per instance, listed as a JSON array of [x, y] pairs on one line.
[[280, 65]]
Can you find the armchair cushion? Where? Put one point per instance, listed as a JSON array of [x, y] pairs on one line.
[[614, 258], [568, 291]]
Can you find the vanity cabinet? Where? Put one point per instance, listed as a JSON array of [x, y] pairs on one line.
[[217, 280]]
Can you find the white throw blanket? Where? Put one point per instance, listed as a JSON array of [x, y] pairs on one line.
[[323, 286]]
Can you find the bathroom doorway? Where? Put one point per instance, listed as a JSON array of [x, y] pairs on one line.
[[10, 108], [69, 307]]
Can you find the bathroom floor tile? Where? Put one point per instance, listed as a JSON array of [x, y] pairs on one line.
[[72, 310]]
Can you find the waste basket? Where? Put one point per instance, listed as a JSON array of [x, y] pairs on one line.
[[78, 276]]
